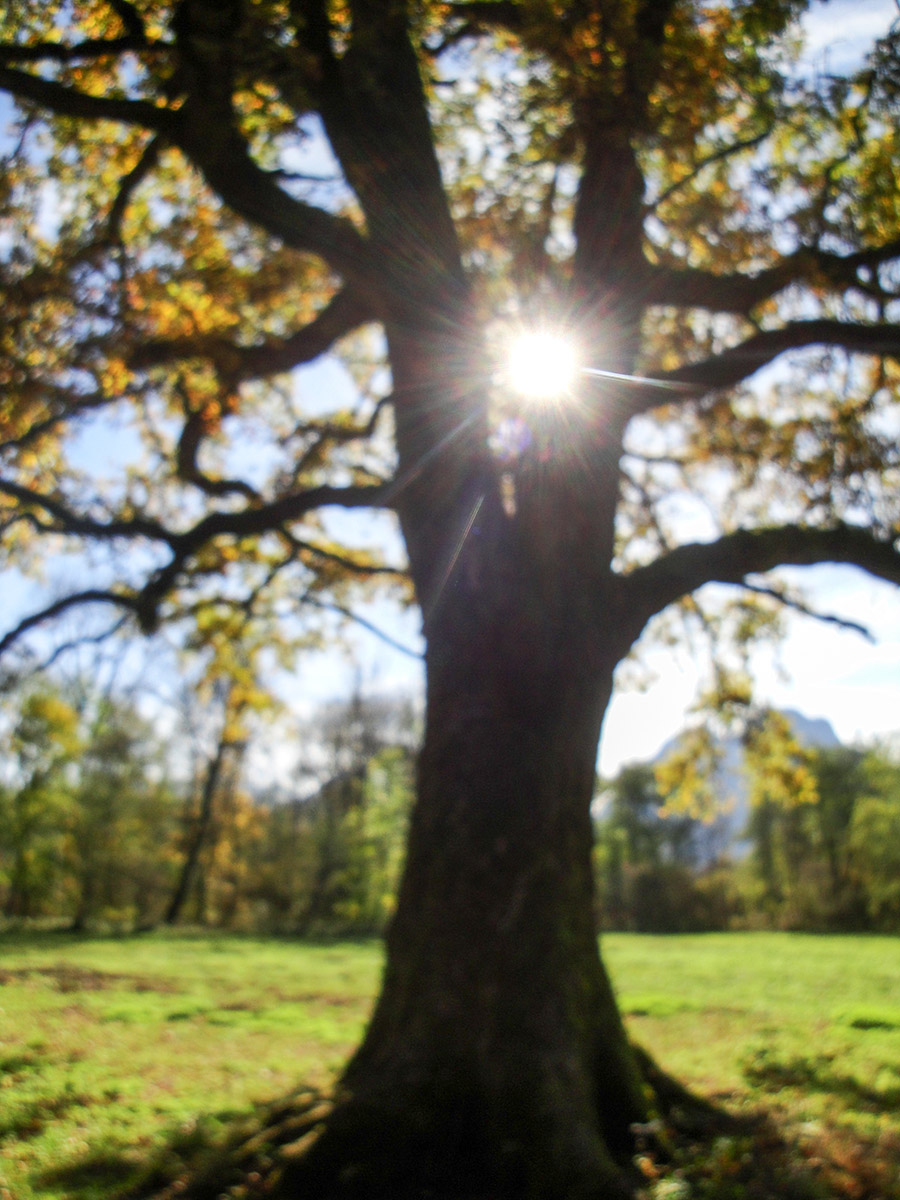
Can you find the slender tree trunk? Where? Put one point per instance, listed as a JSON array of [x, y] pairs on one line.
[[496, 1063], [199, 834]]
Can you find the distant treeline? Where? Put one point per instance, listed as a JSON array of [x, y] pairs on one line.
[[821, 856], [104, 824]]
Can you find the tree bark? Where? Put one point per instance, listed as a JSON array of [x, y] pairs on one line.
[[496, 1062]]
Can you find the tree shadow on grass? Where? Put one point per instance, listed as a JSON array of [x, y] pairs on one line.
[[695, 1148], [217, 1153], [817, 1073]]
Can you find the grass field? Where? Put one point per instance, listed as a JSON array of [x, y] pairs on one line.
[[114, 1053]]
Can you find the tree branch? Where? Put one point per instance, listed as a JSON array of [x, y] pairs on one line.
[[683, 287], [69, 102], [195, 428], [739, 362], [129, 16], [230, 171], [249, 522], [69, 522], [364, 569], [719, 155], [76, 600], [375, 112], [253, 194], [345, 312], [648, 590], [63, 52], [350, 615], [798, 606], [127, 185]]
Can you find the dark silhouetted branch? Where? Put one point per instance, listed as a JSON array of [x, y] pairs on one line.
[[650, 589], [69, 102], [739, 362], [343, 313], [684, 287], [798, 606], [58, 607]]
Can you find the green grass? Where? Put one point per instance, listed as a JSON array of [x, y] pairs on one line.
[[112, 1050]]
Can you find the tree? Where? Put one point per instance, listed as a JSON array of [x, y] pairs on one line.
[[356, 820], [649, 859], [41, 745], [872, 838], [121, 813], [199, 817], [660, 179]]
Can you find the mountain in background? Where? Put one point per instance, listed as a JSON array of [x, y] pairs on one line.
[[726, 833]]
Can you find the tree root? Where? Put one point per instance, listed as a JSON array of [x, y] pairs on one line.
[[298, 1149]]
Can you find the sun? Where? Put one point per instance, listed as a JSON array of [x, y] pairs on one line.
[[542, 365]]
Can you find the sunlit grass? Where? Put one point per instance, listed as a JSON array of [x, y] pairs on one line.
[[111, 1050]]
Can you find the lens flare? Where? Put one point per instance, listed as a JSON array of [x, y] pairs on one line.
[[542, 365]]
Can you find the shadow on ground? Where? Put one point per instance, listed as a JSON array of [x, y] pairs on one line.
[[817, 1073], [695, 1151]]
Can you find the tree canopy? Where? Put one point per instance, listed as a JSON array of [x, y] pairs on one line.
[[201, 198]]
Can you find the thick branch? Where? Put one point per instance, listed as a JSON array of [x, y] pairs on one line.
[[192, 435], [253, 520], [648, 590], [129, 183], [64, 52], [69, 102], [254, 194], [129, 16], [69, 522], [249, 522], [208, 36], [343, 313], [734, 365], [375, 113], [264, 517], [687, 288], [248, 190]]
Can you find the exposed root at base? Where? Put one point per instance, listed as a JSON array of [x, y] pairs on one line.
[[691, 1140]]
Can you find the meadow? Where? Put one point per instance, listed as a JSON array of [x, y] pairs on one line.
[[119, 1054]]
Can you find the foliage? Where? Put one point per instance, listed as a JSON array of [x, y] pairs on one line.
[[653, 864], [163, 296], [817, 853], [100, 824], [41, 744], [87, 814]]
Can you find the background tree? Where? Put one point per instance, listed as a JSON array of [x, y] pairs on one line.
[[662, 180], [119, 827], [40, 745], [214, 782], [651, 859], [356, 820]]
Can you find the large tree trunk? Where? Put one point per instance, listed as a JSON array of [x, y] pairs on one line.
[[496, 1062]]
